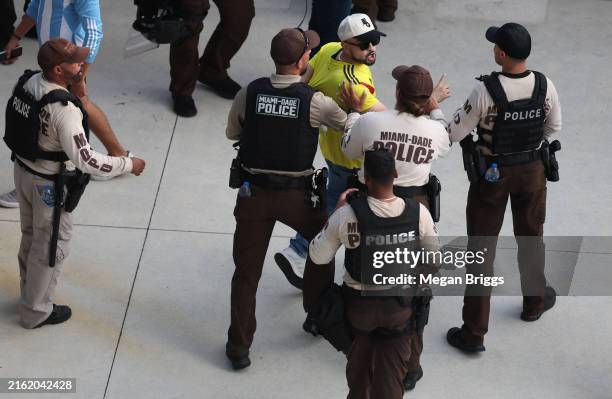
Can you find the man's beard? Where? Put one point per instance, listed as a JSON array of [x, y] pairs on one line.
[[73, 78], [367, 61]]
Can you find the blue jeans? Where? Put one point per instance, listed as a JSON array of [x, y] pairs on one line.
[[325, 17], [336, 185]]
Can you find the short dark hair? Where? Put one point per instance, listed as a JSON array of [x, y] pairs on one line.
[[379, 165]]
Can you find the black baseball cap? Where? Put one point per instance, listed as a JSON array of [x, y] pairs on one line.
[[512, 38]]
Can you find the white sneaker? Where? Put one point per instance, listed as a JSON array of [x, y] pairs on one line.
[[9, 200], [292, 265]]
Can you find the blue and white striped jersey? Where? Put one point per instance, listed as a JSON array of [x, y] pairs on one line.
[[75, 20]]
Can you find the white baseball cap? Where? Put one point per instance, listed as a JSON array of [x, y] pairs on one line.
[[358, 25]]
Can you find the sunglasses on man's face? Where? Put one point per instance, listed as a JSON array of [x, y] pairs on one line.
[[365, 46]]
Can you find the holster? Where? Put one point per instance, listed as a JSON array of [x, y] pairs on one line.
[[328, 316], [235, 177], [433, 192], [421, 304], [317, 195], [474, 162], [75, 182], [549, 159]]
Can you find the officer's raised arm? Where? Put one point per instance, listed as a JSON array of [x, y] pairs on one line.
[[77, 148], [352, 140], [466, 118]]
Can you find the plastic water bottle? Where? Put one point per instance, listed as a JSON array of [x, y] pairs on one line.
[[492, 174], [245, 190]]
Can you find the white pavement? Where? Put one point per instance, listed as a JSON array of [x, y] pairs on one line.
[[149, 272]]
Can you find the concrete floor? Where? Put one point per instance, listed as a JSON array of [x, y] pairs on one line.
[[148, 277]]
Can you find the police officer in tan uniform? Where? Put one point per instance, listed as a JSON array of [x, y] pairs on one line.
[[276, 120], [44, 144], [514, 111]]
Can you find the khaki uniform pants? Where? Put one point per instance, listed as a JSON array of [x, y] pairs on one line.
[[38, 280]]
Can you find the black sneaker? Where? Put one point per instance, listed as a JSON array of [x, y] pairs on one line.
[[184, 106], [60, 314], [411, 379], [455, 339], [550, 298], [226, 88], [238, 362]]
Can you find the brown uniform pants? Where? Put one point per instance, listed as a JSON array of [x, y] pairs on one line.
[[226, 40], [255, 219], [372, 6], [416, 339], [377, 362], [37, 279], [525, 184]]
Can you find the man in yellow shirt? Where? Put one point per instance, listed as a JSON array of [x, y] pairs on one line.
[[335, 65]]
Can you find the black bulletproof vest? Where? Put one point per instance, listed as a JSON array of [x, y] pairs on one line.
[[379, 236], [23, 123], [519, 125], [277, 134]]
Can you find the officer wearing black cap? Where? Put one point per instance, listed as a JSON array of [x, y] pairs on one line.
[[515, 111], [276, 121]]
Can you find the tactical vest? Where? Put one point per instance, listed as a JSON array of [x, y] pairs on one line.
[[519, 125], [381, 235], [23, 123], [277, 134]]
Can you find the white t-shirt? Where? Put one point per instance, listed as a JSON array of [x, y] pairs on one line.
[[415, 142], [62, 130], [480, 110], [342, 225]]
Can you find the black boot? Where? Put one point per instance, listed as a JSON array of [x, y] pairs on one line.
[[60, 314], [455, 339], [238, 362], [226, 88], [411, 379], [550, 298], [184, 106]]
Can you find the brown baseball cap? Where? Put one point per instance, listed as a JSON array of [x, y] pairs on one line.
[[290, 44], [414, 82], [58, 51]]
